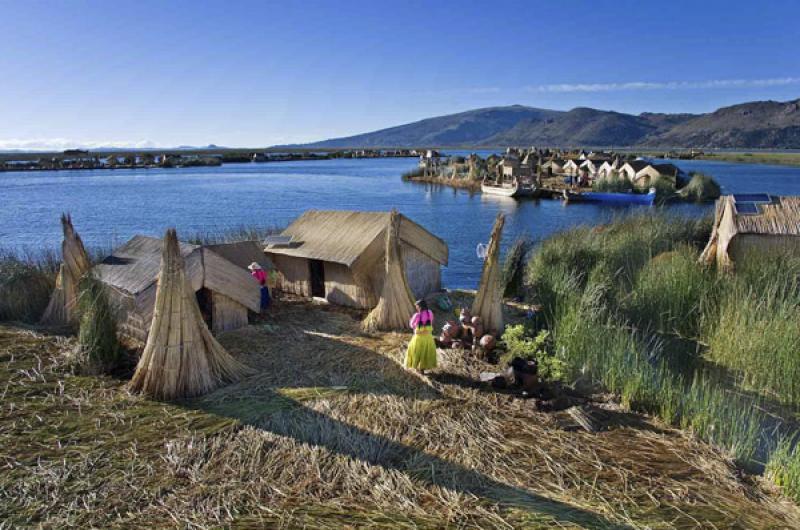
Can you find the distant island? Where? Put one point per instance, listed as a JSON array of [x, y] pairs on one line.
[[755, 125]]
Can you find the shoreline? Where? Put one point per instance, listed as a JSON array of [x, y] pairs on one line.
[[208, 161]]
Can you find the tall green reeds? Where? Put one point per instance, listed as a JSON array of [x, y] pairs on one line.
[[98, 349], [629, 306], [26, 282], [514, 266], [757, 333]]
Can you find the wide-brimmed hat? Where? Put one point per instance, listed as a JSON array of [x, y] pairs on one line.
[[254, 266]]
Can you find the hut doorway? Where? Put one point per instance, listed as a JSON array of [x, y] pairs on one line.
[[316, 273], [204, 301]]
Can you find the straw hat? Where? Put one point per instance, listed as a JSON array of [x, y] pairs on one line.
[[254, 266]]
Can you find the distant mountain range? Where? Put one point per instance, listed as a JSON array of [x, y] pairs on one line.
[[760, 124]]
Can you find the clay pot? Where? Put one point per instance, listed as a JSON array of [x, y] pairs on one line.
[[488, 342]]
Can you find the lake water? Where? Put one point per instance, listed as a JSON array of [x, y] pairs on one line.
[[110, 206]]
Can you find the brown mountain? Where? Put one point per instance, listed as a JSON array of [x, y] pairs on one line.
[[760, 124]]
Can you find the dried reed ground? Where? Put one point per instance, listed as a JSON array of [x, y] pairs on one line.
[[332, 431]]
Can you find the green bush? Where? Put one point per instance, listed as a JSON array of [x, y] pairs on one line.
[[701, 187], [519, 342]]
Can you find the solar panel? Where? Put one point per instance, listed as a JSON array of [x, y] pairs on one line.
[[746, 208], [277, 240], [751, 197]]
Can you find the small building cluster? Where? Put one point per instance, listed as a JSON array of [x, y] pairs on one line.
[[586, 167], [75, 159]]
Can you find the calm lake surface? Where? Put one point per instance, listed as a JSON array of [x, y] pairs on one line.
[[110, 206]]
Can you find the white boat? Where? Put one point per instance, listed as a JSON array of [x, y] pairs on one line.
[[509, 188]]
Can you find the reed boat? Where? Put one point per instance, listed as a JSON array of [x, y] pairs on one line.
[[620, 199], [509, 189]]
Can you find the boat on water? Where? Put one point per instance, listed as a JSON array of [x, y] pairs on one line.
[[621, 199], [512, 188]]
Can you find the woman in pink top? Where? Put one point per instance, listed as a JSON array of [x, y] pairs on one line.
[[421, 353], [261, 277]]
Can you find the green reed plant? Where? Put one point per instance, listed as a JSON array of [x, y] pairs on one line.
[[783, 467], [514, 266], [26, 282], [98, 349], [672, 294]]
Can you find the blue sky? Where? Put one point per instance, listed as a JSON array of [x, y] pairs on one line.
[[257, 73]]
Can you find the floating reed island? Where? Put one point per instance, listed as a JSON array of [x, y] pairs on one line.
[[622, 368], [547, 173]]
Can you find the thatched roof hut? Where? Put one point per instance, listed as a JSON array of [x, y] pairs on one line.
[[62, 309], [340, 256], [181, 357], [216, 273], [747, 223], [488, 302], [396, 302]]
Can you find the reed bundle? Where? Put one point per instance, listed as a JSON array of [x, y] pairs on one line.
[[62, 309], [396, 303], [488, 302], [181, 357]]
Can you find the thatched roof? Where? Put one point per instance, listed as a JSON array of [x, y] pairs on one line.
[[637, 165], [775, 216], [133, 268], [242, 253], [781, 216], [344, 236]]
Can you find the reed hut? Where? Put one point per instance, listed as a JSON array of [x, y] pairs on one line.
[[62, 308], [340, 256], [745, 224], [224, 289], [181, 357], [488, 303]]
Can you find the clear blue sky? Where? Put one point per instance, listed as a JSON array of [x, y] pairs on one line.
[[256, 73]]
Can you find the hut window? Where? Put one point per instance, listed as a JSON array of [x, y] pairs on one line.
[[316, 273], [204, 301]]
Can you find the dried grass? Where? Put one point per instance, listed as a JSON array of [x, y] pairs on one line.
[[489, 301], [331, 432], [396, 304], [181, 357], [62, 309]]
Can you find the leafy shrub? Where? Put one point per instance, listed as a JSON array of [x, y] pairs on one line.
[[520, 343]]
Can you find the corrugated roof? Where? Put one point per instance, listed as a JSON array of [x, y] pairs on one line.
[[343, 236], [779, 217]]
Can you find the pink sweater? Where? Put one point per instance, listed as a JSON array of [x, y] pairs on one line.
[[425, 316], [260, 276]]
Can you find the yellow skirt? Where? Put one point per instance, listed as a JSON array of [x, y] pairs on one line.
[[421, 353]]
